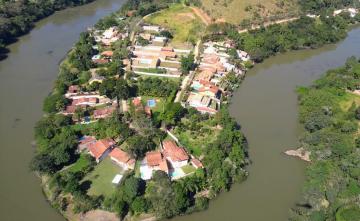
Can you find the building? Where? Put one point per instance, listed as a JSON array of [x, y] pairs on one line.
[[84, 142], [104, 112], [101, 148], [176, 155], [204, 104], [153, 161], [196, 163], [73, 89], [122, 158], [153, 28], [90, 101]]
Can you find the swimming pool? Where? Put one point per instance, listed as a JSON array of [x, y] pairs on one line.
[[151, 103], [177, 173]]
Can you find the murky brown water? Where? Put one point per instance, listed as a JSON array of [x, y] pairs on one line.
[[26, 77], [265, 105]]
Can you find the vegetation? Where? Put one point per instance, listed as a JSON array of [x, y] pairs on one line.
[[18, 17], [300, 34], [331, 134], [184, 25], [254, 11]]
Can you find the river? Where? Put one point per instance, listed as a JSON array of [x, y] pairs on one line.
[[26, 77], [265, 104], [266, 107]]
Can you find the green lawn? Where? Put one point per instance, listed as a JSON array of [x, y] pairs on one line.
[[160, 102], [82, 163], [101, 178], [236, 10], [181, 21], [188, 169], [197, 139], [348, 99], [348, 214]]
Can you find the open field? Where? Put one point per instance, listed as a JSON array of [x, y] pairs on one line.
[[348, 100], [234, 11], [195, 139], [181, 21], [101, 178]]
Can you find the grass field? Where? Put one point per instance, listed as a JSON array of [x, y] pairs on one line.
[[181, 21], [348, 100], [196, 140], [101, 178], [81, 164], [234, 11]]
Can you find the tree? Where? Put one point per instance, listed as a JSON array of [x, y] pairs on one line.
[[107, 88], [43, 163], [122, 90], [187, 63], [173, 113], [54, 103], [138, 145]]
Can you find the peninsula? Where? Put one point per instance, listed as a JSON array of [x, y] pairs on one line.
[[137, 124]]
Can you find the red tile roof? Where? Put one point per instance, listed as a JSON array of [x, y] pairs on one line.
[[98, 148], [73, 89], [153, 158], [174, 152], [136, 101], [197, 163], [107, 53], [120, 155], [167, 49], [104, 112], [164, 166]]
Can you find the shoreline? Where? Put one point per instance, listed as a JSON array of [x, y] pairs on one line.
[[243, 77]]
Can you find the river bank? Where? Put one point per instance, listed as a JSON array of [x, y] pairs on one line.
[[26, 78], [19, 19]]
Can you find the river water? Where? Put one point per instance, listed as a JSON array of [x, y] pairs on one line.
[[265, 104], [26, 77], [266, 107]]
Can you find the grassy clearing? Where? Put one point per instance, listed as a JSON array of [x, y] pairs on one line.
[[160, 103], [181, 21], [348, 100], [348, 214], [101, 178], [188, 169], [81, 164], [197, 138], [234, 11]]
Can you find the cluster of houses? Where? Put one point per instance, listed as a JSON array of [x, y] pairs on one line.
[[103, 106], [170, 158], [207, 87], [156, 54]]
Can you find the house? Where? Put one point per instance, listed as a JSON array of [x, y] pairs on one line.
[[196, 163], [107, 54], [140, 107], [104, 112], [84, 143], [153, 28], [101, 148], [153, 161], [202, 103], [206, 74], [210, 90], [156, 161], [176, 155], [73, 89], [122, 158], [145, 63], [243, 55], [90, 101], [69, 110]]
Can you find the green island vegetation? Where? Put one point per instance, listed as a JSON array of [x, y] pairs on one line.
[[136, 116], [329, 112], [18, 17], [76, 182]]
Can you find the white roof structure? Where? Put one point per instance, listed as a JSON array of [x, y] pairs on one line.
[[117, 179]]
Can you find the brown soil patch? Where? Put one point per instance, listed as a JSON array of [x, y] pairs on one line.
[[202, 15]]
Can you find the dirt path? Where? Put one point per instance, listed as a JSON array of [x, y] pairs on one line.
[[269, 23], [202, 15]]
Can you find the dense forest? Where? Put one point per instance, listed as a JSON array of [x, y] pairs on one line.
[[303, 33], [315, 6], [329, 112], [18, 17]]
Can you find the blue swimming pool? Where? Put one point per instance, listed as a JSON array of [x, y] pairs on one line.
[[151, 103]]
